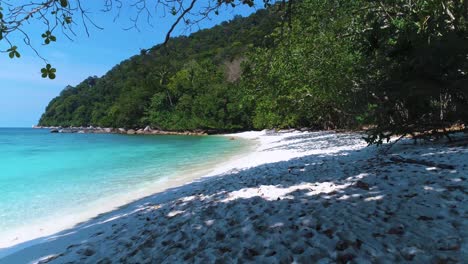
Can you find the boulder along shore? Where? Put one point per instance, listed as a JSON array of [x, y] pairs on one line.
[[109, 130]]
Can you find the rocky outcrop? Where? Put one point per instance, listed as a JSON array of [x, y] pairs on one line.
[[109, 130]]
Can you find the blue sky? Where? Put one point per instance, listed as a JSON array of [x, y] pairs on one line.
[[24, 94]]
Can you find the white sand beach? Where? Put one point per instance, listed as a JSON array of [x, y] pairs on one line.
[[298, 197]]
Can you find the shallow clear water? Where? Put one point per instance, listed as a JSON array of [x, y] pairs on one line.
[[44, 175]]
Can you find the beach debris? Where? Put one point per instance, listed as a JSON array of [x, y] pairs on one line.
[[397, 158]]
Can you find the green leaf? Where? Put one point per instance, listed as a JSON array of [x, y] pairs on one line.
[[48, 71], [11, 55], [64, 3]]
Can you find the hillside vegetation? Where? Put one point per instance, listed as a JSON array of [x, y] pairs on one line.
[[187, 84], [399, 66]]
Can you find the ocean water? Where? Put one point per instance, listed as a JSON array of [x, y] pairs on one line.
[[46, 176]]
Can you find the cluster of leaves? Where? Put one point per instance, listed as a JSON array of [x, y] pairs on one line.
[[417, 52], [53, 14]]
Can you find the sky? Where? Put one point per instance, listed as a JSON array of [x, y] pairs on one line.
[[24, 94]]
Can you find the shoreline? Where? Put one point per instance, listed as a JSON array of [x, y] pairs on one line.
[[320, 197], [43, 228]]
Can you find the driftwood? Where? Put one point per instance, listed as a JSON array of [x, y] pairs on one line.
[[422, 162]]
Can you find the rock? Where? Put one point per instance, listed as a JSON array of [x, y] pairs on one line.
[[250, 253], [147, 129], [122, 130], [107, 130], [220, 236], [398, 230], [329, 233], [269, 131], [345, 258], [104, 261], [362, 185], [140, 131], [131, 132], [425, 218], [86, 251], [324, 261], [54, 130], [342, 245], [448, 244], [409, 253], [297, 250]]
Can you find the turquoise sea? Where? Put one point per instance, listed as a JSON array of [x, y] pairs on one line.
[[45, 176]]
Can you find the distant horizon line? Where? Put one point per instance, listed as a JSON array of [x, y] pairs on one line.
[[15, 127]]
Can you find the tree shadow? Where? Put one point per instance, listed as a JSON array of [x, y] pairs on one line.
[[351, 206]]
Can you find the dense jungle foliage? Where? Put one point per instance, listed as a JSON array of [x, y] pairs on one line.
[[395, 66]]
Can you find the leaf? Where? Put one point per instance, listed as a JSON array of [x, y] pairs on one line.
[[48, 71], [64, 3], [11, 55]]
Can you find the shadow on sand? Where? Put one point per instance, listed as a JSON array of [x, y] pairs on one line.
[[352, 206]]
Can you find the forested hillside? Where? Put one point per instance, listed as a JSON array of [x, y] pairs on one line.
[[192, 82], [396, 66]]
